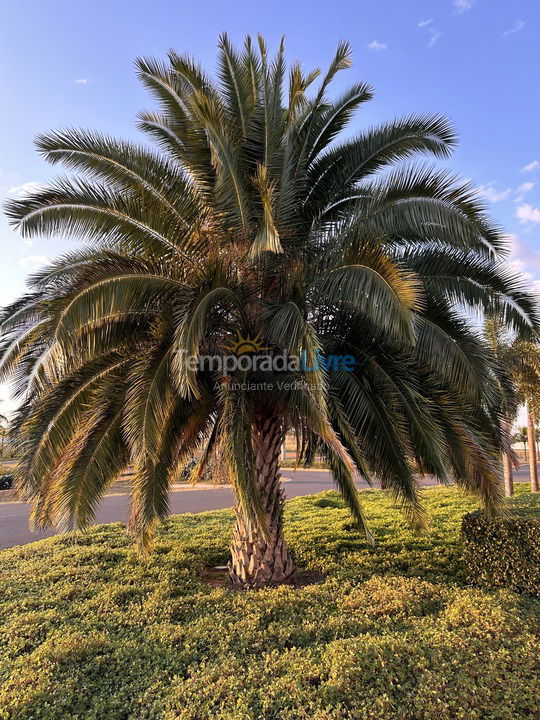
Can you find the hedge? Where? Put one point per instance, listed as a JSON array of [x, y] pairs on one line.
[[504, 552]]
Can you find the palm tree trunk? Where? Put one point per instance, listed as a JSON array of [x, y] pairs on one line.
[[507, 463], [259, 559], [532, 453]]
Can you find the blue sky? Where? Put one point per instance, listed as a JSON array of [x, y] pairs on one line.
[[71, 64]]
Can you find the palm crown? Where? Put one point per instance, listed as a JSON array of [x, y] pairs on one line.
[[252, 218]]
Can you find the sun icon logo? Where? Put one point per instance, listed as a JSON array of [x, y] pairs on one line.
[[243, 345]]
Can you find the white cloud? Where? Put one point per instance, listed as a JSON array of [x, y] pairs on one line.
[[82, 81], [435, 35], [526, 261], [431, 30], [516, 27], [522, 190], [531, 166], [491, 193], [24, 189], [462, 6], [377, 46], [526, 213], [33, 262]]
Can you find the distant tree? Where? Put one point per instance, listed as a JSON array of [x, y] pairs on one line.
[[4, 430], [522, 436], [496, 335], [518, 379], [523, 362]]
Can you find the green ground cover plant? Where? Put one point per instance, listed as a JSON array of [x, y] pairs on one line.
[[90, 631]]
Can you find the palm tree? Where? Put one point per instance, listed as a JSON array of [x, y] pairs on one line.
[[496, 336], [519, 363], [533, 459], [522, 436], [253, 219], [523, 362], [4, 429]]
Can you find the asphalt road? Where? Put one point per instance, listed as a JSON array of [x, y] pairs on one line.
[[114, 508]]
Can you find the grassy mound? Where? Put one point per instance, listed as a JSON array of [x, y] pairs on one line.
[[90, 632]]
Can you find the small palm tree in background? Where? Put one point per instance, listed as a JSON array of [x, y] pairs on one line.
[[4, 432], [253, 219], [522, 359], [522, 436], [518, 380], [496, 336]]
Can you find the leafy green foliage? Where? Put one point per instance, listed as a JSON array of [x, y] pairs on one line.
[[504, 552], [88, 631]]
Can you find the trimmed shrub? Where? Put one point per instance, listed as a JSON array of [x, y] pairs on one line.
[[504, 552]]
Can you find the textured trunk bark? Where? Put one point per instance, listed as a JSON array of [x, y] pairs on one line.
[[507, 463], [256, 559], [532, 453]]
